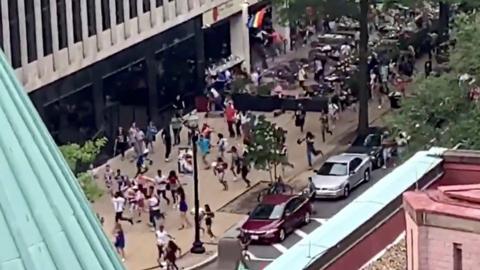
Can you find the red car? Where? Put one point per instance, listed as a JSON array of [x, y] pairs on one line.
[[276, 216]]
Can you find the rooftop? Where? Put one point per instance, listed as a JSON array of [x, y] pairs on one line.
[[394, 258]]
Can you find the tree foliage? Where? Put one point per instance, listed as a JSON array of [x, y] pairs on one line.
[[265, 150], [441, 112], [79, 157]]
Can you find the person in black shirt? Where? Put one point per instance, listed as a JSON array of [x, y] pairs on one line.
[[300, 115], [179, 105], [428, 68], [121, 142], [167, 140]]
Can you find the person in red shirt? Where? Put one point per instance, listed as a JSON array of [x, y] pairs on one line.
[[230, 114]]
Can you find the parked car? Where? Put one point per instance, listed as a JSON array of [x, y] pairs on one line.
[[340, 174], [370, 144], [276, 216]]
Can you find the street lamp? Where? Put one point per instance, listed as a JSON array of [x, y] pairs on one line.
[[192, 124]]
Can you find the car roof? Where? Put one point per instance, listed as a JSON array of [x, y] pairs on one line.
[[277, 198], [371, 131], [344, 158]]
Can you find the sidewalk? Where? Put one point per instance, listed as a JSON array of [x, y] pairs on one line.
[[141, 251]]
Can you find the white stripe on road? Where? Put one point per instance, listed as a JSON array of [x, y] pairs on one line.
[[320, 220], [301, 233], [255, 258], [280, 248]]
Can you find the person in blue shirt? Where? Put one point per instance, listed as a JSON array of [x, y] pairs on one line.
[[204, 149], [141, 166]]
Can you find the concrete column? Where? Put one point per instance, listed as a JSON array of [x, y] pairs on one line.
[[98, 24], [152, 87], [236, 35], [69, 19], [139, 13], [22, 24], [153, 19], [113, 21], [84, 22], [245, 38], [54, 27], [166, 11], [126, 18], [6, 31], [38, 27]]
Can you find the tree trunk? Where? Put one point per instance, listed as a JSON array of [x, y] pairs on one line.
[[443, 17], [363, 57]]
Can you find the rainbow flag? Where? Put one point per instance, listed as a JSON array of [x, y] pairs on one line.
[[258, 18]]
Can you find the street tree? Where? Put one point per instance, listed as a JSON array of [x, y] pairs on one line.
[[443, 111], [79, 158], [265, 149], [311, 10]]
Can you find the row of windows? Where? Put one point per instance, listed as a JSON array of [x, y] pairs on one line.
[[61, 27]]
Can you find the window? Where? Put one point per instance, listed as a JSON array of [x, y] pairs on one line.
[[105, 14], [159, 3], [267, 211], [293, 205], [31, 35], [133, 8], [14, 33], [146, 5], [373, 140], [92, 21], [77, 21], [119, 11], [457, 256], [354, 164], [62, 24], [332, 168], [46, 27]]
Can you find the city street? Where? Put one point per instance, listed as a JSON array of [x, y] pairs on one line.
[[261, 255]]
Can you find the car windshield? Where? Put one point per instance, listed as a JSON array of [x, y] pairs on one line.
[[332, 168], [372, 140], [267, 211]]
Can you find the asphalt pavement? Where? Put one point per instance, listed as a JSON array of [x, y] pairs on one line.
[[262, 255]]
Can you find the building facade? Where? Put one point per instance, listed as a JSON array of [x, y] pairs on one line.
[[443, 228], [91, 65]]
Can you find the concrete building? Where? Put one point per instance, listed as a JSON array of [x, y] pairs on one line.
[[443, 228], [91, 65]]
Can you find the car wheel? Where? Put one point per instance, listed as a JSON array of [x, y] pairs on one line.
[[366, 175], [281, 235], [306, 218], [346, 191]]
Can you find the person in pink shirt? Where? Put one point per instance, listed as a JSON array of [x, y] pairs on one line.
[[230, 114]]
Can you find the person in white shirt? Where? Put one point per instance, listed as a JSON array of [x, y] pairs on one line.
[[345, 50], [162, 239], [119, 205], [318, 69], [302, 75], [155, 214], [161, 183], [255, 78], [217, 100], [222, 145], [139, 142]]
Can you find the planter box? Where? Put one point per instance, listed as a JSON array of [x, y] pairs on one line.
[[245, 102]]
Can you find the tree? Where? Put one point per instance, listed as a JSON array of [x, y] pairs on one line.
[[293, 10], [442, 111], [79, 157], [265, 150]]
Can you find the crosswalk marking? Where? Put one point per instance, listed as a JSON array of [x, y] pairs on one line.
[[320, 220], [255, 258], [301, 233], [280, 248]]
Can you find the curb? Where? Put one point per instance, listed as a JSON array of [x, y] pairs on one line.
[[203, 263], [242, 193]]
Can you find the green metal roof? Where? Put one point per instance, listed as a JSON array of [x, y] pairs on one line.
[[45, 220]]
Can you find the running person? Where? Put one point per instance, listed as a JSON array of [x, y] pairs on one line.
[[219, 171], [119, 205]]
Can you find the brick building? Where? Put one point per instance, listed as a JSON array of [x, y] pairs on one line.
[[443, 228]]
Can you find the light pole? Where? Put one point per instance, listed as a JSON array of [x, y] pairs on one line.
[[197, 247]]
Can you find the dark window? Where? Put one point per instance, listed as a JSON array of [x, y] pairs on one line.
[[133, 8], [92, 21], [62, 24], [159, 3], [31, 34], [119, 11], [77, 21], [14, 33], [146, 5], [46, 27], [354, 164], [105, 14], [457, 257]]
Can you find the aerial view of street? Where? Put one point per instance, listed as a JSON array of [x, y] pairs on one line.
[[229, 134]]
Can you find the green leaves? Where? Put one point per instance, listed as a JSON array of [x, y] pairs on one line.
[[265, 151], [441, 113], [80, 156]]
